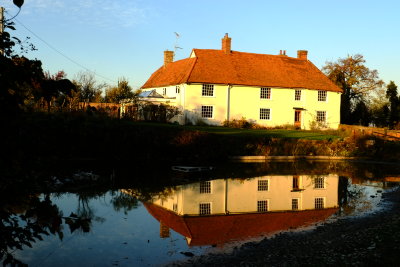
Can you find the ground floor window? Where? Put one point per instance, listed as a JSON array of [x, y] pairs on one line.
[[262, 205], [321, 116], [206, 111], [205, 208], [319, 203], [265, 114]]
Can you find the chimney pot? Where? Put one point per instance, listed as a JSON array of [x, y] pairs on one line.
[[168, 57], [226, 44], [302, 54]]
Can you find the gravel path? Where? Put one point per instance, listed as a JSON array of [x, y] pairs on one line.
[[372, 240]]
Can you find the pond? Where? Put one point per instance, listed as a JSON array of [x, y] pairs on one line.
[[133, 223]]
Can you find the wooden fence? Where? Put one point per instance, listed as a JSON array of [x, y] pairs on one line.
[[384, 133]]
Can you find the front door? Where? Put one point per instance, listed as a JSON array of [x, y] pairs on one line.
[[297, 118]]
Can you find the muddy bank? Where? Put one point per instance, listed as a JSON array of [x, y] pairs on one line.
[[372, 240]]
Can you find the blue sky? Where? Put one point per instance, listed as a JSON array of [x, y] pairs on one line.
[[116, 38]]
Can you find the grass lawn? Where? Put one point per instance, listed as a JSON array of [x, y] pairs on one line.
[[274, 133]]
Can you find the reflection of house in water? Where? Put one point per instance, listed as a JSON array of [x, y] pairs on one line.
[[219, 211]]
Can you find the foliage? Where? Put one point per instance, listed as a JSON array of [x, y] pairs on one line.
[[357, 81], [20, 80], [160, 113], [120, 93], [239, 123], [90, 90], [394, 104]]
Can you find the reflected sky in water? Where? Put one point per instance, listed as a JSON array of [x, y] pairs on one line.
[[129, 228]]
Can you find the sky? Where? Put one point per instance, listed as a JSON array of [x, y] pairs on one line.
[[118, 39]]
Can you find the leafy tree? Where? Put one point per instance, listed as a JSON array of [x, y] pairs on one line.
[[90, 90], [356, 80], [55, 87], [122, 92], [394, 104]]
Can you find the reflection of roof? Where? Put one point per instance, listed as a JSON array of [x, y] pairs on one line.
[[239, 68], [221, 229], [151, 93]]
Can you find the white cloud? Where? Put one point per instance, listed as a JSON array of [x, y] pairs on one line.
[[103, 13]]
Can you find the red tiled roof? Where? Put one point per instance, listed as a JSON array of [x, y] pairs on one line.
[[221, 229], [239, 68]]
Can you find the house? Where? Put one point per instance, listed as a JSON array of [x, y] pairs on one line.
[[213, 86], [219, 211]]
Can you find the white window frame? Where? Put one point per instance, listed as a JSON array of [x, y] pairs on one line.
[[295, 95], [164, 91], [204, 111], [259, 202], [319, 118], [206, 88], [322, 96], [319, 183], [204, 207], [205, 187], [317, 203], [298, 203], [265, 93], [269, 114], [260, 185], [177, 89]]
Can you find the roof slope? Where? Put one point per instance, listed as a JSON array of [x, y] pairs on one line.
[[239, 68], [221, 229]]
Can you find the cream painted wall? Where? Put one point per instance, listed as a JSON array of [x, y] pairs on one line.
[[236, 102], [242, 195]]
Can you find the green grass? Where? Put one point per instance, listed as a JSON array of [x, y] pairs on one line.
[[272, 133]]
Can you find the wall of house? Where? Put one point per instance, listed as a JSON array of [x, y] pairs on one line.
[[237, 102], [241, 196]]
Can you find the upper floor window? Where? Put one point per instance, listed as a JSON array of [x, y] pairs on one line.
[[321, 116], [164, 91], [205, 187], [207, 111], [265, 114], [177, 89], [262, 185], [322, 95], [207, 90], [265, 93], [319, 182], [297, 95]]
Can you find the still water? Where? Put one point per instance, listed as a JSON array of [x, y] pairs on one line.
[[134, 226]]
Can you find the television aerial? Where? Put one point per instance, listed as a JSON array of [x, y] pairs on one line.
[[176, 46]]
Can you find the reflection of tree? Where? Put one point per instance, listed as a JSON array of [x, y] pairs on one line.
[[28, 219], [124, 201], [350, 196]]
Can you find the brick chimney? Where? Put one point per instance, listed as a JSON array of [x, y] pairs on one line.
[[226, 44], [168, 57], [302, 54]]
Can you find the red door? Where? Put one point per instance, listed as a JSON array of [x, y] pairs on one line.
[[297, 118]]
